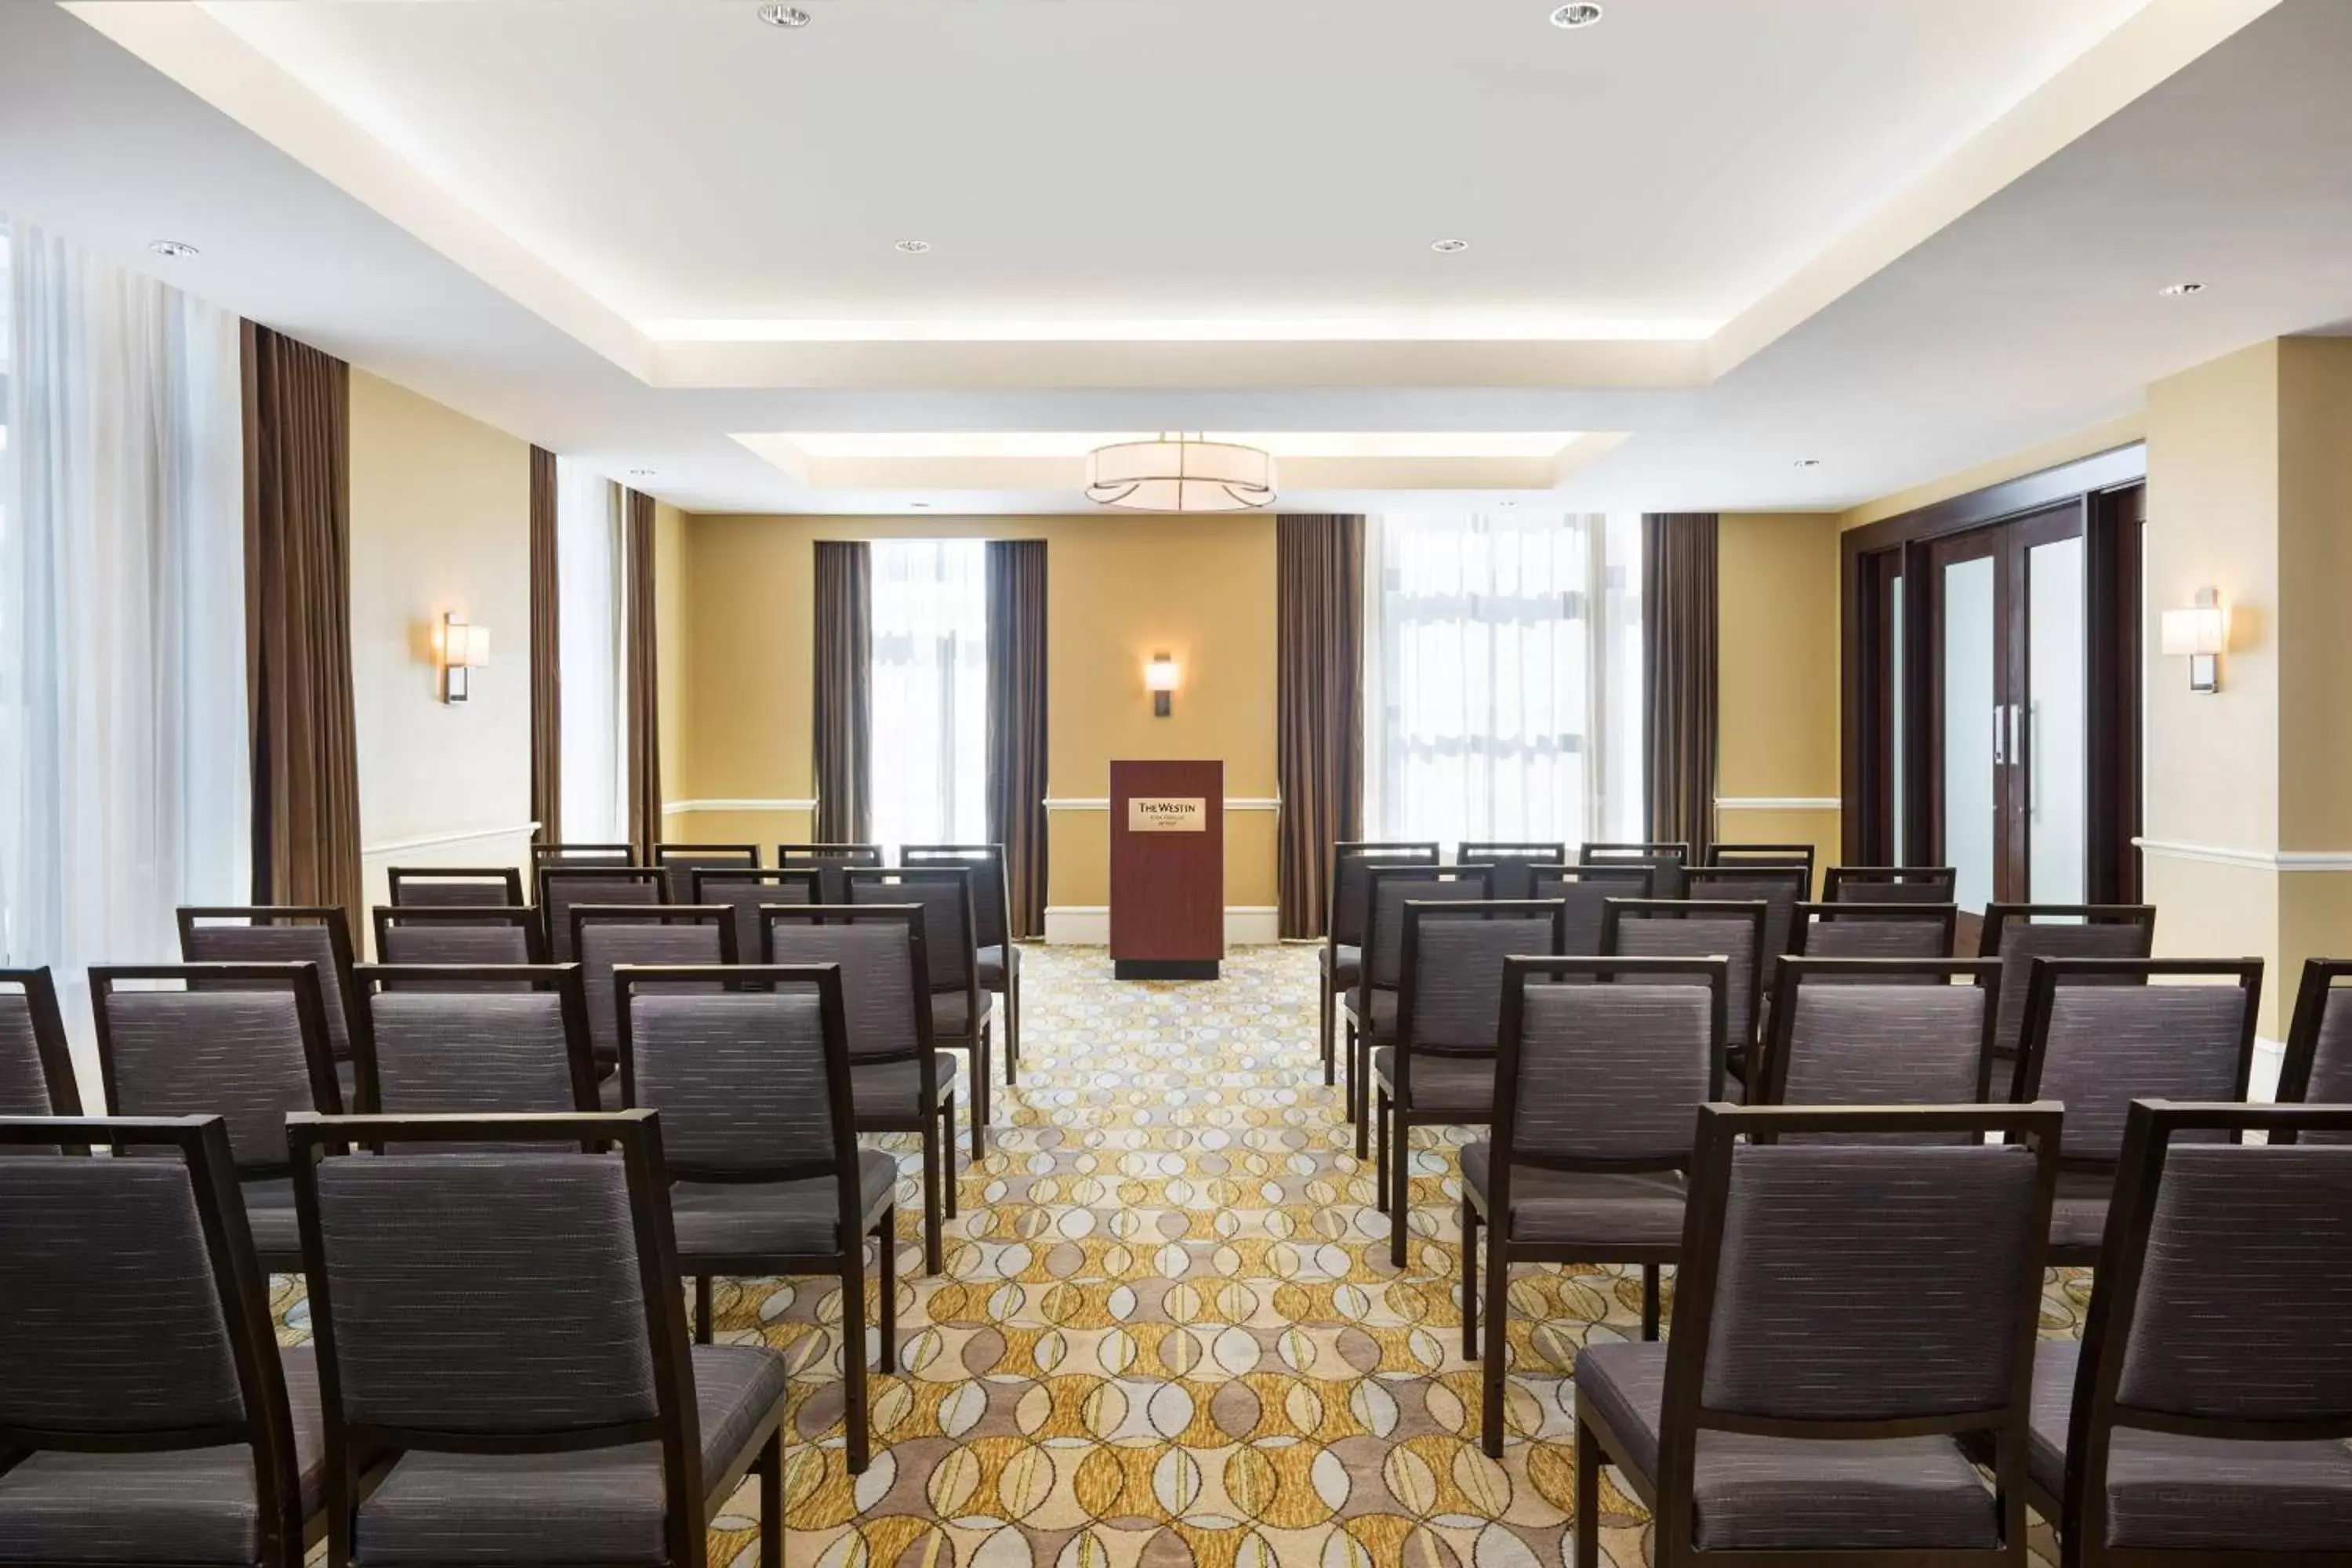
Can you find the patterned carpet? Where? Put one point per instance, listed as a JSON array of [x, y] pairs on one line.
[[1168, 1334]]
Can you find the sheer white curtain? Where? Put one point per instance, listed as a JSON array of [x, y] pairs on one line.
[[125, 774], [589, 582], [930, 691], [1503, 698]]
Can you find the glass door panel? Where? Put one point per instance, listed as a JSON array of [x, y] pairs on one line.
[[2057, 724], [1974, 741]]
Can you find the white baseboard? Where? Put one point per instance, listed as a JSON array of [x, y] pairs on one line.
[[1089, 925]]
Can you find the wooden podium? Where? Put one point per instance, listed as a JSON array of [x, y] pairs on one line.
[[1167, 870]]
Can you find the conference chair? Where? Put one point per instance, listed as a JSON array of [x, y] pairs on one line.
[[606, 936], [1693, 928], [545, 854], [1848, 1321], [1341, 956], [1513, 863], [829, 861], [37, 1071], [1781, 889], [426, 1048], [1583, 893], [1778, 857], [2203, 1418], [766, 1176], [2318, 1062], [1369, 1012], [563, 886], [2098, 1036], [463, 887], [451, 934], [747, 891], [959, 1009], [150, 1415], [1880, 1031], [1873, 930], [2017, 934], [281, 934], [1440, 1068], [1666, 861], [1596, 1086], [999, 958], [682, 860], [1889, 885], [502, 1358], [897, 1082], [247, 1042]]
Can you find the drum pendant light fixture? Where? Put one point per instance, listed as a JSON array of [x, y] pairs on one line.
[[1181, 472]]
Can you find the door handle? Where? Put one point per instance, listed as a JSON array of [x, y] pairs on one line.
[[1999, 736]]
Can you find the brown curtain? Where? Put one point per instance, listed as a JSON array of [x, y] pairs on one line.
[[1318, 706], [643, 705], [1017, 723], [546, 656], [297, 627], [1678, 675], [845, 652]]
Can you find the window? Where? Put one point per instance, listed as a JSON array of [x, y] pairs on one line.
[[930, 691], [1505, 692], [588, 571]]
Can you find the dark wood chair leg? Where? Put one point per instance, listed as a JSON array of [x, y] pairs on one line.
[[1323, 1039], [772, 1501], [702, 1309], [931, 1222], [983, 1067], [1376, 1124], [1469, 1276], [1011, 1024], [886, 1267], [852, 1355], [1401, 1173], [1353, 1095], [1588, 1498], [947, 1151], [1649, 1300], [1490, 1373]]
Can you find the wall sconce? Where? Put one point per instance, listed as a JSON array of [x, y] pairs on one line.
[[1160, 678], [2202, 633], [462, 648]]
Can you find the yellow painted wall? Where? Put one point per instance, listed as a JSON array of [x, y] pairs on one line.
[[1777, 622]]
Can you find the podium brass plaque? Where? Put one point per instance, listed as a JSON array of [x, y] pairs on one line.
[[1167, 813]]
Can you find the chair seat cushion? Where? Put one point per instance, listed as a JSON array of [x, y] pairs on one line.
[[600, 1506], [1792, 1494], [951, 1015], [1384, 1014], [2078, 1210], [716, 1221], [2201, 1494], [1599, 1208], [196, 1505], [1342, 965], [608, 1092], [895, 1088], [269, 1214], [1459, 1087], [999, 965]]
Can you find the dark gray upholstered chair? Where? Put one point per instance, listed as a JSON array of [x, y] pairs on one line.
[[999, 957], [1595, 1089], [460, 887], [2098, 1036], [607, 935], [1692, 928], [1880, 1031], [37, 1071], [451, 934], [682, 860], [2017, 934], [145, 1407], [1584, 892], [1513, 863], [829, 861], [2204, 1416], [897, 1082], [1779, 888], [245, 1041], [1369, 1011], [1874, 930], [502, 1355], [283, 933], [754, 1087], [1341, 956], [546, 855], [747, 891], [1847, 1314], [1439, 1070], [427, 1049], [563, 886], [1666, 862], [2318, 1064], [1785, 857], [1889, 885], [960, 1017]]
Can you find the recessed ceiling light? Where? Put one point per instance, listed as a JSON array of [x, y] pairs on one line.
[[640, 473], [2175, 291], [783, 16], [1449, 247], [1808, 462], [1507, 503], [1583, 14], [921, 505], [912, 247], [174, 248]]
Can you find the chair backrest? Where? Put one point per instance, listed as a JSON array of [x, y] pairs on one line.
[[607, 935], [279, 934], [752, 1085], [746, 891], [521, 1297], [245, 1041], [2217, 1310], [1450, 975], [425, 1049], [1391, 887], [2017, 934], [1782, 857], [563, 886], [950, 954], [1781, 889], [2319, 1063], [1889, 885], [451, 935], [459, 887], [545, 854], [830, 861], [1666, 860], [884, 978], [1873, 930], [37, 1074], [138, 1315], [1352, 862], [682, 860], [1879, 1032], [2098, 1036], [1693, 928], [1513, 864], [1585, 891], [991, 913], [1606, 1076], [1827, 1291]]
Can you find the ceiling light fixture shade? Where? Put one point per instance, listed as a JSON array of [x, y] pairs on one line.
[[1179, 472], [1583, 14], [783, 16]]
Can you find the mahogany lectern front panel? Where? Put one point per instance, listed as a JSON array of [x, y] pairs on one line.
[[1167, 869]]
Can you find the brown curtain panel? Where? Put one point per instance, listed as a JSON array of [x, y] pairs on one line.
[[1319, 707], [546, 656], [1017, 723], [297, 627], [643, 685], [845, 656], [1678, 675]]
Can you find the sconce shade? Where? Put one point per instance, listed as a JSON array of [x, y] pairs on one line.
[[2204, 629], [477, 651], [1161, 674]]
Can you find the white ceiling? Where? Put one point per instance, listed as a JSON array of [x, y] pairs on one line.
[[1915, 268]]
